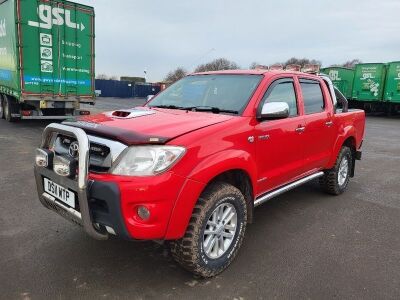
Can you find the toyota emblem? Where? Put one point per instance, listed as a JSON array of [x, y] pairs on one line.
[[73, 149]]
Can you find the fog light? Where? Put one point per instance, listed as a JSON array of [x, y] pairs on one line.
[[64, 166], [143, 212], [44, 158]]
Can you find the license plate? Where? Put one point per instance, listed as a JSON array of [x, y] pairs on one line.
[[60, 193]]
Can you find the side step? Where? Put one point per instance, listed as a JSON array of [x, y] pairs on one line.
[[264, 198]]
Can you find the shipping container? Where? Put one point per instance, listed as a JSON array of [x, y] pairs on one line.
[[125, 89], [392, 85], [46, 57], [342, 78], [369, 80]]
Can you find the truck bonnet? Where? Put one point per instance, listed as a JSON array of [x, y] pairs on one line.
[[143, 125]]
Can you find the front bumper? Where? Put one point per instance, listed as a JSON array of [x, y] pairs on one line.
[[108, 204], [103, 200]]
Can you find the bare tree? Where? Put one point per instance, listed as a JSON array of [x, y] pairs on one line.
[[216, 65], [175, 75], [349, 64], [254, 65], [301, 61], [113, 77]]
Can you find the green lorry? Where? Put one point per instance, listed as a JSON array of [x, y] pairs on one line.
[[342, 78], [392, 85], [46, 59]]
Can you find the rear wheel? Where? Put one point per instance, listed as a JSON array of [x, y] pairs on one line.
[[10, 107], [215, 232], [336, 180], [1, 107]]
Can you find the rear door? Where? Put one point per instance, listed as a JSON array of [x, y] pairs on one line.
[[279, 143], [319, 133], [57, 48]]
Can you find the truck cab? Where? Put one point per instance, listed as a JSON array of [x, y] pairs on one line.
[[190, 166]]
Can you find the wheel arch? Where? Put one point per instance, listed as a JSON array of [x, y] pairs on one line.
[[240, 179], [236, 170], [348, 138]]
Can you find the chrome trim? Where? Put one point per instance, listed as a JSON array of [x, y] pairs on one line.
[[272, 110], [72, 211], [286, 188], [116, 148], [329, 123]]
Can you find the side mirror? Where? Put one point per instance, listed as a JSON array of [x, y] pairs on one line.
[[274, 110]]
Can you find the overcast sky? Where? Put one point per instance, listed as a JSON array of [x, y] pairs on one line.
[[158, 36]]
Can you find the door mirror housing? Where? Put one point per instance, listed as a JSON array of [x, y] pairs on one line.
[[274, 110]]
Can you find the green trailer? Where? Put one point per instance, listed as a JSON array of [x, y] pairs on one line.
[[342, 78], [392, 85], [369, 80], [46, 58]]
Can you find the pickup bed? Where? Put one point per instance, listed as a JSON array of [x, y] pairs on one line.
[[190, 166]]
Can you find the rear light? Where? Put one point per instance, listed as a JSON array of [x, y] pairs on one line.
[[44, 158], [64, 166], [26, 113], [84, 112]]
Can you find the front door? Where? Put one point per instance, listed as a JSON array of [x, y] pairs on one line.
[[279, 147]]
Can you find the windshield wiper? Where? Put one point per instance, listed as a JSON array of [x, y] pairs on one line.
[[169, 106], [213, 109]]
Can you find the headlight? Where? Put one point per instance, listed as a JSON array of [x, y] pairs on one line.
[[146, 160]]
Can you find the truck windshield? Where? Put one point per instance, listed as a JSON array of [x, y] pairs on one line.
[[213, 93]]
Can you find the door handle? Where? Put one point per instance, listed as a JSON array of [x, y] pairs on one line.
[[329, 123], [300, 129]]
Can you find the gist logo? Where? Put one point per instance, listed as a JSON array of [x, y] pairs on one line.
[[3, 31], [50, 16]]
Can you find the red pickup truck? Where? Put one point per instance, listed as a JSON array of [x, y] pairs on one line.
[[190, 166]]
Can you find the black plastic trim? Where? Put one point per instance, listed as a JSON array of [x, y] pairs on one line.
[[105, 207]]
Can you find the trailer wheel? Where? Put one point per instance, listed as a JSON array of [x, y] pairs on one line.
[[10, 107], [1, 107]]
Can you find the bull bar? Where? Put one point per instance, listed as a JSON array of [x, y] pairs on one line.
[[80, 186]]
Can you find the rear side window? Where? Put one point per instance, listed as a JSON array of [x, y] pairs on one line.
[[283, 92], [312, 96]]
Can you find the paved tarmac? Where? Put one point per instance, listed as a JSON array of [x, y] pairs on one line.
[[303, 245]]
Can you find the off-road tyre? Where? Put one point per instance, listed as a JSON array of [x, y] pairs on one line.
[[10, 107], [1, 107], [330, 181], [188, 251]]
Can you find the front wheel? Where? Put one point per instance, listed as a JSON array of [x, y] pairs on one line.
[[336, 180], [215, 232]]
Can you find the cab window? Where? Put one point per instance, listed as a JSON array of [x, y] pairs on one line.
[[283, 92], [312, 96]]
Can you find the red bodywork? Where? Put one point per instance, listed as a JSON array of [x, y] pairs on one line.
[[218, 143]]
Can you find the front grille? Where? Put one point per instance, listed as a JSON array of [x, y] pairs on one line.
[[99, 155]]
